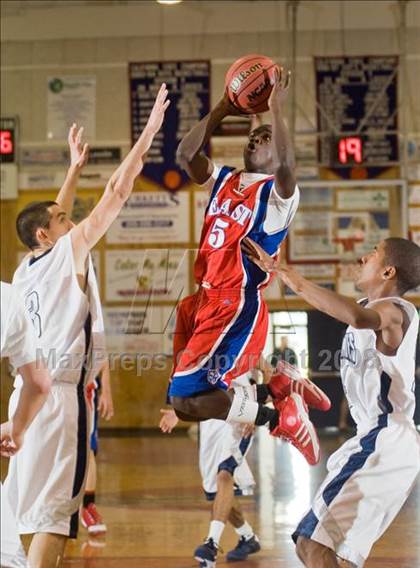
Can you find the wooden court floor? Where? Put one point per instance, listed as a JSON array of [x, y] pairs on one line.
[[150, 495]]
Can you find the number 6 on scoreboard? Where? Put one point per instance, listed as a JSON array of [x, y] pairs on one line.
[[217, 235]]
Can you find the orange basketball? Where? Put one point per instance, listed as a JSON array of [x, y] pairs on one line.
[[249, 82]]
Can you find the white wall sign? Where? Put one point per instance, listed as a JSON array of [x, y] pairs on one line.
[[363, 199], [134, 330], [201, 199], [8, 181], [140, 275], [152, 217], [71, 98]]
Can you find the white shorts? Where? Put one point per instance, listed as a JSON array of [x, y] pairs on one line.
[[222, 447], [369, 479], [46, 478]]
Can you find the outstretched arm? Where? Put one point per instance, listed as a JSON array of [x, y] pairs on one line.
[[79, 154], [384, 316], [119, 187], [190, 153], [283, 154]]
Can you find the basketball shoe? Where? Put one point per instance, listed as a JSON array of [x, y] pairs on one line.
[[92, 520], [295, 426], [243, 549], [287, 380], [206, 554]]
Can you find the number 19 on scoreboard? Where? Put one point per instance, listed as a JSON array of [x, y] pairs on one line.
[[350, 150]]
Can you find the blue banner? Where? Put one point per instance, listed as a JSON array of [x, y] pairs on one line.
[[188, 83]]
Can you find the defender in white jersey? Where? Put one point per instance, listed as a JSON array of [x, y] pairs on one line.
[[58, 287], [18, 343], [371, 475]]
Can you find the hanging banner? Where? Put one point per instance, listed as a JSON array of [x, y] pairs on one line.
[[357, 113], [71, 98], [188, 83]]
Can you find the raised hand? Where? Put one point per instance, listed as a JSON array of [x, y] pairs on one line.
[[259, 257], [79, 153], [158, 110], [280, 88]]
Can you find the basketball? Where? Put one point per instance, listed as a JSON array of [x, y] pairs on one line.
[[249, 82]]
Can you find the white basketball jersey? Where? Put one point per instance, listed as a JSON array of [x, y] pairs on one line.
[[18, 341], [59, 310], [376, 384]]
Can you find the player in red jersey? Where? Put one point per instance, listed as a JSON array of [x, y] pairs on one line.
[[231, 318]]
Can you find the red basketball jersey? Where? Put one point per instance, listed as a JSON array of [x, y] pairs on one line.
[[241, 204]]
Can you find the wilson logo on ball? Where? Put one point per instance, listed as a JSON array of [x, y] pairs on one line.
[[249, 82], [239, 79]]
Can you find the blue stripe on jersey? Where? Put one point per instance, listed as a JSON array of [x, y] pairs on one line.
[[306, 526], [82, 434], [225, 356], [355, 462], [220, 178], [270, 243], [383, 400]]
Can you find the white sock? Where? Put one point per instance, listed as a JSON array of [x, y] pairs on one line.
[[244, 409], [245, 530], [216, 530]]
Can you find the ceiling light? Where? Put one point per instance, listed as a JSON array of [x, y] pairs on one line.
[[169, 2]]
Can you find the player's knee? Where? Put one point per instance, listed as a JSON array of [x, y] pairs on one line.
[[307, 550], [303, 546], [224, 476]]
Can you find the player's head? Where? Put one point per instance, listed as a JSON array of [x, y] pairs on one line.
[[41, 224], [394, 261], [258, 154]]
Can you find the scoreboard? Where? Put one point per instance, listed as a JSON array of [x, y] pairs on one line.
[[357, 112], [8, 140]]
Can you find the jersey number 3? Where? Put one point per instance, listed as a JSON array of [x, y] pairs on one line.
[[217, 236], [32, 305]]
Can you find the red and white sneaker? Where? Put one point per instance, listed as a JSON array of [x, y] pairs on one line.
[[287, 380], [92, 520], [295, 427]]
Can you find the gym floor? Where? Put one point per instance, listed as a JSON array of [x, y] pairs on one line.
[[149, 493]]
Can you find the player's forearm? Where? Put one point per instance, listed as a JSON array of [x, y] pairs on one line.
[[33, 394], [67, 193], [106, 377], [342, 308], [123, 178], [197, 138], [283, 153]]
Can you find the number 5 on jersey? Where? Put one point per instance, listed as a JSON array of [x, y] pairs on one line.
[[217, 235]]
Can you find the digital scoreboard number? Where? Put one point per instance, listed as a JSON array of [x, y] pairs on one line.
[[8, 140], [350, 150], [357, 113]]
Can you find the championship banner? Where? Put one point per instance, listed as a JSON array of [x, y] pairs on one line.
[[357, 114], [188, 83]]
